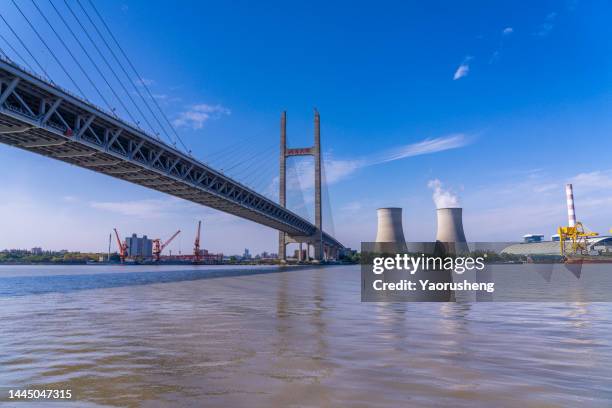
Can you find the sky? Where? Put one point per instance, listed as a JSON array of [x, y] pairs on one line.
[[491, 106]]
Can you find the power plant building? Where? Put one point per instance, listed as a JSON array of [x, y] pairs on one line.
[[139, 247], [550, 248], [528, 238]]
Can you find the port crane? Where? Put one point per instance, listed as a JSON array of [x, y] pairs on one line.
[[196, 245], [574, 234], [121, 245], [158, 246], [573, 240]]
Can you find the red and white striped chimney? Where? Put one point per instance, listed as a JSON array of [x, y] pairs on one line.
[[571, 212]]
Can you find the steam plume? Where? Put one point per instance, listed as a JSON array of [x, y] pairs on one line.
[[443, 198]]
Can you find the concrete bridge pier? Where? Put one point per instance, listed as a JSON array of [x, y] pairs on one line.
[[317, 239], [329, 252]]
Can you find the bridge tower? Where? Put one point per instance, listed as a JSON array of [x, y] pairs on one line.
[[317, 239]]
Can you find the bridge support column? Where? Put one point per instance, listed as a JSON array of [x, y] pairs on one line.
[[315, 151], [282, 183], [319, 255]]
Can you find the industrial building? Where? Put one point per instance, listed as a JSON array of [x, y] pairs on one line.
[[595, 245], [139, 247], [529, 238], [297, 255]]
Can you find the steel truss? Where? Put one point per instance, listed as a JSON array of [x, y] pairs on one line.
[[40, 117]]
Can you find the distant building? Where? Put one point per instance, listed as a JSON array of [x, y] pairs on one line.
[[529, 238], [549, 248], [347, 252], [296, 254], [246, 254], [139, 247], [37, 251]]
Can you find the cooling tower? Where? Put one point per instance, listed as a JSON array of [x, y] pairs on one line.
[[390, 225], [450, 227]]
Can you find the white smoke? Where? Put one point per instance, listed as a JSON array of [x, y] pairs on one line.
[[443, 198]]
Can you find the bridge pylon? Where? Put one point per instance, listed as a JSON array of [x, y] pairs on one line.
[[317, 238]]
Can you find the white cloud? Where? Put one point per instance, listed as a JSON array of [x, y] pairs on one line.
[[506, 32], [196, 115], [160, 97], [336, 170], [147, 208], [442, 197], [144, 81], [427, 146], [544, 188], [546, 27], [495, 56], [595, 180], [165, 99], [463, 69], [352, 207]]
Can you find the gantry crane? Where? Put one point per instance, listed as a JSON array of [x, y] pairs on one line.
[[196, 245], [576, 237], [158, 246], [121, 245], [574, 232]]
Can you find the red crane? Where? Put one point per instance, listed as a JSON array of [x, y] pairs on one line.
[[121, 245], [158, 247], [196, 244]]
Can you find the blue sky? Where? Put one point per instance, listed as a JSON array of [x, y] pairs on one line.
[[501, 102]]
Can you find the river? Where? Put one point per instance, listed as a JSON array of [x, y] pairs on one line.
[[265, 337]]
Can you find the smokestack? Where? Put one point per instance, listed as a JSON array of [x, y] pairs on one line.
[[571, 212], [450, 225], [390, 225]]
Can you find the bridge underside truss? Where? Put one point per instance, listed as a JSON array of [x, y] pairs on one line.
[[44, 119]]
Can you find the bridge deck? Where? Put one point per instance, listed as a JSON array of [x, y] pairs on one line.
[[42, 118]]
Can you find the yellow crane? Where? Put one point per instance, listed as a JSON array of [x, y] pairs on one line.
[[576, 237], [575, 234]]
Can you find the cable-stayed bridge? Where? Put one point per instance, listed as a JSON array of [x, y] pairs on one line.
[[39, 116]]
